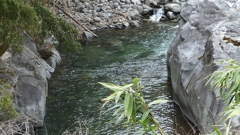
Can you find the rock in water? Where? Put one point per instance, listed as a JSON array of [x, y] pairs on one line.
[[175, 7], [191, 58]]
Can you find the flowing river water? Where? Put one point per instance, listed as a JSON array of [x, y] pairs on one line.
[[117, 56]]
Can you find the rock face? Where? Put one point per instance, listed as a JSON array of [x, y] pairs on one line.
[[28, 76], [209, 31]]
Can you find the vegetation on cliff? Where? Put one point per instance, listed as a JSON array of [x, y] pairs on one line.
[[36, 19]]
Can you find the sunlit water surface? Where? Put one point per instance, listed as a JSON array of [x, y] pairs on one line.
[[117, 56]]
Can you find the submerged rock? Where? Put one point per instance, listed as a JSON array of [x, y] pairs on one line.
[[191, 58]]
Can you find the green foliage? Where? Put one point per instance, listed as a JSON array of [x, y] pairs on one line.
[[130, 104], [228, 82], [33, 17], [52, 24], [15, 17], [228, 78], [7, 109]]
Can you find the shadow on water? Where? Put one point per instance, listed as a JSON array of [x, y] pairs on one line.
[[117, 56]]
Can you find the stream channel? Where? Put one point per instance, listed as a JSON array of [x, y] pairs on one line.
[[117, 56]]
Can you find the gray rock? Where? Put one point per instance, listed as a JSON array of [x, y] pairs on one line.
[[176, 1], [87, 35], [126, 6], [71, 4], [171, 15], [97, 8], [31, 87], [117, 1], [139, 8], [163, 1], [136, 2], [176, 8], [85, 10], [80, 7], [147, 2], [126, 24], [135, 23], [93, 28], [193, 54], [147, 7], [145, 11], [97, 19], [128, 2], [116, 5], [133, 12]]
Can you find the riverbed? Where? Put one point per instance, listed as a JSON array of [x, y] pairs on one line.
[[117, 56]]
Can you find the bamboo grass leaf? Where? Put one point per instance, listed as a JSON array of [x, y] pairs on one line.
[[134, 114], [119, 109], [145, 115], [118, 96], [135, 81], [115, 106], [120, 118], [159, 101], [217, 130], [126, 101], [112, 96], [126, 86], [233, 112], [111, 86], [130, 106]]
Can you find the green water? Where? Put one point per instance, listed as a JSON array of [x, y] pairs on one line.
[[117, 56]]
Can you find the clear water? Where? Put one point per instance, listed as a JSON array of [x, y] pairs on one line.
[[117, 56]]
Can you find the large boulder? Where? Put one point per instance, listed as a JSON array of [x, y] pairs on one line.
[[209, 31]]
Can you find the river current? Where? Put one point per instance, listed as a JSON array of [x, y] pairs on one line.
[[117, 56]]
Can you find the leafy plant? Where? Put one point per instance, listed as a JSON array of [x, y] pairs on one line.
[[228, 82], [7, 109], [131, 105], [35, 18], [228, 78]]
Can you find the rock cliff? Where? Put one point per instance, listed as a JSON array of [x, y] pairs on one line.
[[27, 73], [209, 31]]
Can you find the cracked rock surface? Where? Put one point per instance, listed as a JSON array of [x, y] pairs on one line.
[[209, 31]]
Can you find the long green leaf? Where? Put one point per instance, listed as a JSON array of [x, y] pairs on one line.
[[233, 112], [111, 86], [217, 130], [126, 101], [134, 113], [115, 106], [130, 106], [159, 101], [135, 81], [126, 86], [110, 96], [119, 109], [145, 115], [119, 93]]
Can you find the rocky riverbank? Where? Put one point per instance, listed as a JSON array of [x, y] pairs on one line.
[[28, 72], [103, 14], [209, 31]]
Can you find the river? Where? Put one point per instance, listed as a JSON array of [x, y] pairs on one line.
[[117, 56]]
